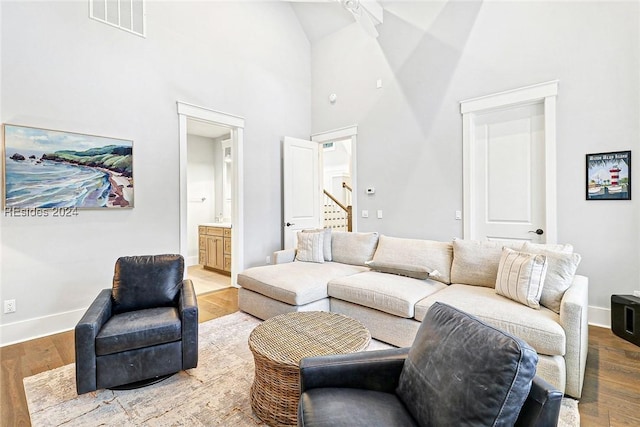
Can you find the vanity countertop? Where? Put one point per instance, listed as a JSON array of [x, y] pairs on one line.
[[217, 224]]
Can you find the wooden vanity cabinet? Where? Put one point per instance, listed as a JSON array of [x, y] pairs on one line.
[[215, 248]]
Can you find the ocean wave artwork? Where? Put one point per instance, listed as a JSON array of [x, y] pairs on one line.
[[54, 169]]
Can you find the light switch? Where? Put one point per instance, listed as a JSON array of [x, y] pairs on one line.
[[379, 213], [365, 213], [458, 214]]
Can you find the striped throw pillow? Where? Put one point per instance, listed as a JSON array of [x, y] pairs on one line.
[[310, 247], [521, 276]]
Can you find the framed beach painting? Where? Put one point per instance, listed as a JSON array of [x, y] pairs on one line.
[[51, 169], [609, 176]]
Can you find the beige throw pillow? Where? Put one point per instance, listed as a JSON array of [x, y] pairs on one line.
[[310, 247], [561, 269], [521, 276], [415, 258]]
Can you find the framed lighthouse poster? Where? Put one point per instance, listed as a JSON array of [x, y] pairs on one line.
[[609, 176]]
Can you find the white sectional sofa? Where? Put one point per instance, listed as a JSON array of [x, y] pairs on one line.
[[389, 284]]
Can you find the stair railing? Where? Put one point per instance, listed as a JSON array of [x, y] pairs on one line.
[[337, 216]]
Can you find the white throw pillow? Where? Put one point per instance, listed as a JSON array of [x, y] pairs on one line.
[[521, 276], [561, 269], [326, 252], [310, 247], [415, 258]]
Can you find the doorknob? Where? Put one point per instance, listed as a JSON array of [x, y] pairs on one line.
[[539, 231], [289, 224]]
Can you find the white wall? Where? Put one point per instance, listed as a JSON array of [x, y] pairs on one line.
[[201, 184], [432, 55], [61, 70]]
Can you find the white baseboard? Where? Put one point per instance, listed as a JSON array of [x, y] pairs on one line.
[[12, 333], [191, 260], [599, 316]]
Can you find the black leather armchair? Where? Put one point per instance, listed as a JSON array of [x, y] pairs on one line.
[[458, 372], [144, 328]]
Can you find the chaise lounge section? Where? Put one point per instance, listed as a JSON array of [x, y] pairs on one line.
[[389, 284]]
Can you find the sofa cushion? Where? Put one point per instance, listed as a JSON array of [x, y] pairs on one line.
[[521, 276], [295, 283], [310, 247], [353, 248], [415, 258], [139, 329], [540, 328], [389, 293], [461, 371], [475, 262], [561, 269]]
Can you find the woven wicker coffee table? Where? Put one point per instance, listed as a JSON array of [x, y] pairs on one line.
[[278, 345]]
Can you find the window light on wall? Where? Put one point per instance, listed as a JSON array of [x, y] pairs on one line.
[[128, 15]]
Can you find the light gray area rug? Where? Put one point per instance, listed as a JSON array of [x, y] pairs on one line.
[[214, 393]]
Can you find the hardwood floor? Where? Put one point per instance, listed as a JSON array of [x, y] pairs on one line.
[[205, 280], [611, 395]]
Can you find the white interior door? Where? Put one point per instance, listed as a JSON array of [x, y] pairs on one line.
[[301, 187], [508, 174], [509, 164]]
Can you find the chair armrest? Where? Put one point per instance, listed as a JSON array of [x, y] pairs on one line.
[[284, 256], [85, 340], [377, 370], [188, 310], [542, 407], [574, 309]]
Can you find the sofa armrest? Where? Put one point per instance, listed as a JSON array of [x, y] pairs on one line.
[[542, 407], [85, 340], [284, 256], [188, 309], [377, 370], [574, 309]]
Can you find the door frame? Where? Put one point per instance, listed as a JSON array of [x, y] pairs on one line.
[[236, 125], [544, 93], [344, 133]]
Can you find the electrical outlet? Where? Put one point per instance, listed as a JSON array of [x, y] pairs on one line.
[[9, 306], [268, 259], [636, 294]]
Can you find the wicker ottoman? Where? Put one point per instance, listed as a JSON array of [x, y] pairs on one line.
[[278, 345]]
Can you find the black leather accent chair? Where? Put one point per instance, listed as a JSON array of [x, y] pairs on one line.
[[144, 328], [458, 372]]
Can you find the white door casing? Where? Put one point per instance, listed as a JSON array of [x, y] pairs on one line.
[[509, 165], [301, 176], [341, 134], [236, 124]]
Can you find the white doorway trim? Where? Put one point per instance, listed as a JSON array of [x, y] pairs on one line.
[[545, 93], [344, 133], [236, 125]]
